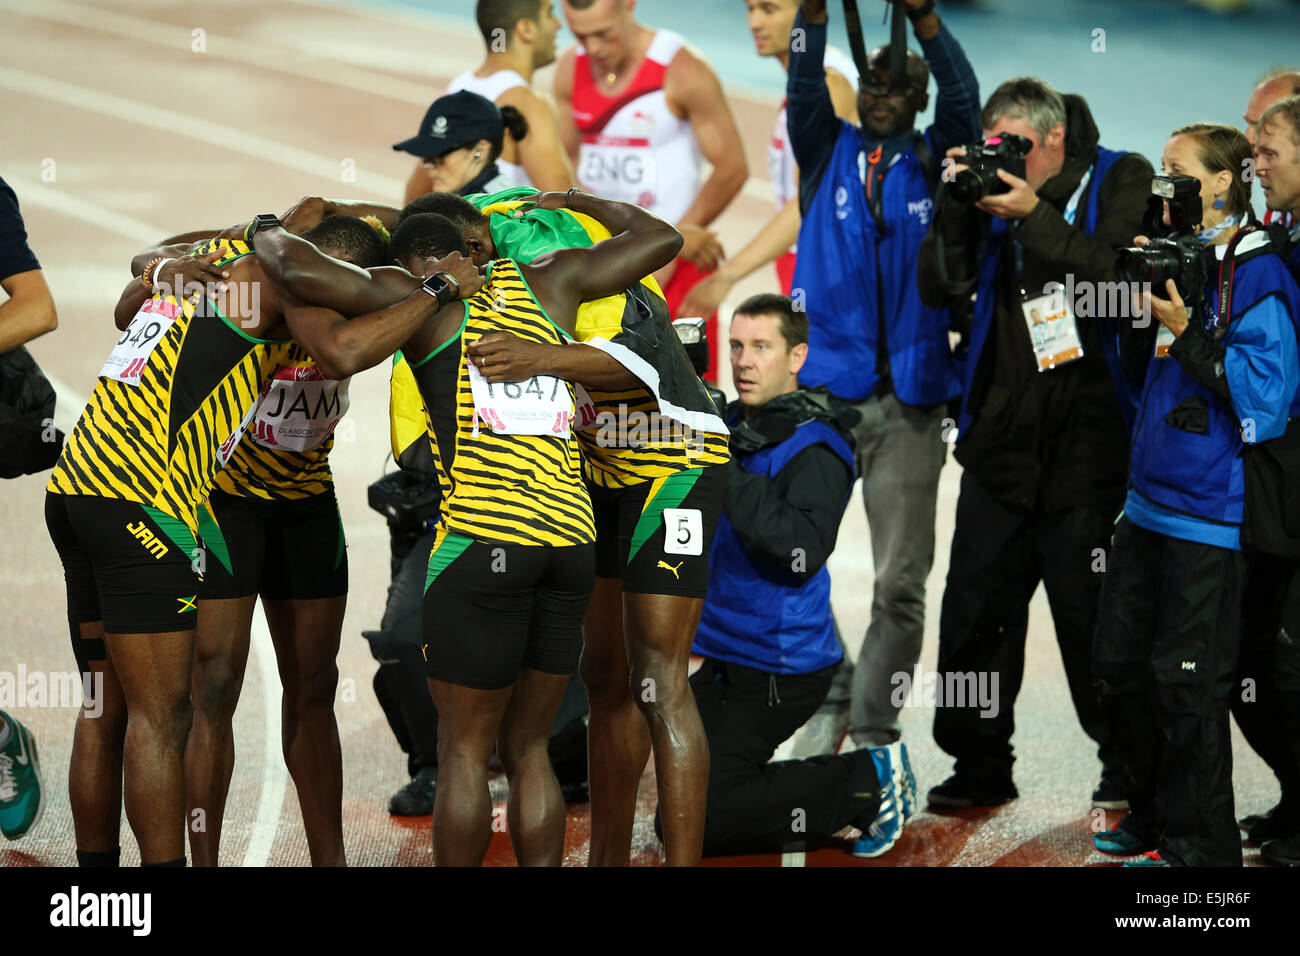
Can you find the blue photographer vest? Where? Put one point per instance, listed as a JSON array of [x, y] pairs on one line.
[[1201, 476], [985, 296], [846, 271], [759, 614]]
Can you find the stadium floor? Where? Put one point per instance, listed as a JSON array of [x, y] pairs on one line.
[[124, 125]]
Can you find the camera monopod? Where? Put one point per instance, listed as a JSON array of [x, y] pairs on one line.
[[897, 41]]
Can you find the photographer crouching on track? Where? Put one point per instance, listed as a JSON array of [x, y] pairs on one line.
[[1043, 431], [766, 631]]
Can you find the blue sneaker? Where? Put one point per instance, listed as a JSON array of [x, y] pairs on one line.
[[1150, 858], [22, 798], [1119, 842], [903, 767], [880, 837]]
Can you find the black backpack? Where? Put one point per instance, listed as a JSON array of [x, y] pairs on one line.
[[29, 442]]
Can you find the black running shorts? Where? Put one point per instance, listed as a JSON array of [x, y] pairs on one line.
[[282, 549], [491, 609], [655, 536], [125, 564]]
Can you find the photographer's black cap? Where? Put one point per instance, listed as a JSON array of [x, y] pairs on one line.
[[453, 121]]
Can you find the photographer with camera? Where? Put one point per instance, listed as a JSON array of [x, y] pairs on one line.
[[866, 196], [1224, 378], [766, 632], [1043, 434]]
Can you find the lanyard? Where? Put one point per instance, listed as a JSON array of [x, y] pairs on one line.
[[1070, 214]]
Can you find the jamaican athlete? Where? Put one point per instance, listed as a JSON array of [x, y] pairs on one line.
[[514, 558], [168, 408]]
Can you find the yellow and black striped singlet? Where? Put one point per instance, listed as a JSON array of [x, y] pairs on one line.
[[260, 471], [513, 489], [633, 443], [160, 443]]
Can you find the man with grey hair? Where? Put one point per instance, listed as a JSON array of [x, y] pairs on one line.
[[1044, 425], [1270, 659]]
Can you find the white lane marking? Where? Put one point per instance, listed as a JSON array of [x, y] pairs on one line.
[[793, 859], [212, 135], [263, 56], [274, 775]]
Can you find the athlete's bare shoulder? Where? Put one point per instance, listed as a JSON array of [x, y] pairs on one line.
[[564, 67]]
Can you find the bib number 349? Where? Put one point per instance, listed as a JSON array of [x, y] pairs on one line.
[[127, 361]]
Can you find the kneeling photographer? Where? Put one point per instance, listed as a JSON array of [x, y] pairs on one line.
[[1224, 377], [766, 631], [1043, 432]]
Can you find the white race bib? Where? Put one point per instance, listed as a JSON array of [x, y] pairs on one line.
[[299, 409], [1052, 330], [540, 406], [683, 531], [127, 361]]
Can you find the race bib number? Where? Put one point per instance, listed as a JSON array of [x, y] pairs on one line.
[[540, 406], [1052, 330], [299, 409], [127, 361], [683, 531]]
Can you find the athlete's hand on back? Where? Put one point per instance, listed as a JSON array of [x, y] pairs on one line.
[[191, 275], [502, 357], [553, 200], [463, 270]]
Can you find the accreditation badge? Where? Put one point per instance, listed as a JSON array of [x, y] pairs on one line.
[[1052, 330]]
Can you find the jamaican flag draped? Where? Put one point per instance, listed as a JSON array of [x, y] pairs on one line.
[[633, 327]]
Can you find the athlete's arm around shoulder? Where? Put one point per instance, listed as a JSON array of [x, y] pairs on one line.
[[563, 90], [542, 153], [694, 92], [315, 279]]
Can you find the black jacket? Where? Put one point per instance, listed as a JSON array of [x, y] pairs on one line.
[[1056, 439]]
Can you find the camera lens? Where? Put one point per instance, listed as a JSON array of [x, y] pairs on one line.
[[967, 187], [1153, 264]]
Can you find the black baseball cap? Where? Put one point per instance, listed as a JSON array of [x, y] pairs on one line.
[[453, 121]]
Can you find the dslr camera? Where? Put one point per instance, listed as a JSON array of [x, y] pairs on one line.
[[1003, 151], [1177, 254], [693, 335]]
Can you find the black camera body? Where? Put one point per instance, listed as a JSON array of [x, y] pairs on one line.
[[407, 499], [1004, 151], [693, 335], [1175, 252]]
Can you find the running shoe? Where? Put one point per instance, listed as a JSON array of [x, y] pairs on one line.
[[416, 798], [1120, 842], [22, 798], [911, 802], [1150, 858], [959, 791], [883, 832], [1281, 852]]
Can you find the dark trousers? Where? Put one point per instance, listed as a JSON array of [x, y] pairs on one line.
[[1266, 691], [403, 689], [999, 556], [1167, 642], [755, 806]]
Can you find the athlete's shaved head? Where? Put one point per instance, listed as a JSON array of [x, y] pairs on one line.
[[349, 239], [473, 225], [423, 238]]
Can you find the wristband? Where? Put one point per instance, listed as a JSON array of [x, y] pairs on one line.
[[927, 8], [153, 276], [146, 276]]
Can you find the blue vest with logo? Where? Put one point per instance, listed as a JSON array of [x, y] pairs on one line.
[[985, 296], [763, 615], [847, 271], [1200, 476]]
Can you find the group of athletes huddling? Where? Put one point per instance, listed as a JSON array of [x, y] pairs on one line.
[[582, 466]]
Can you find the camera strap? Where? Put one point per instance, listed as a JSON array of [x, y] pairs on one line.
[[897, 40], [1226, 270]]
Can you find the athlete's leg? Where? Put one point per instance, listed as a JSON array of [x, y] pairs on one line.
[[618, 739], [468, 723], [660, 628], [95, 773], [220, 657], [154, 671], [535, 810], [306, 635]]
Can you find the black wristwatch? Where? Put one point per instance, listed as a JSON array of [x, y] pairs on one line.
[[442, 287], [261, 221], [926, 9]]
